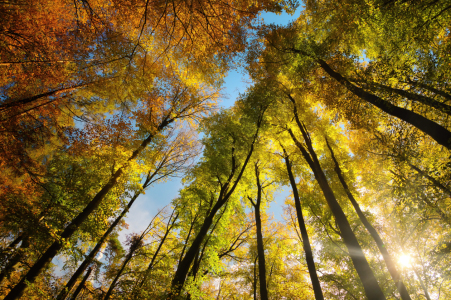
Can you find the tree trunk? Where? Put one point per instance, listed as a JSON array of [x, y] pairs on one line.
[[415, 97], [430, 88], [304, 234], [116, 278], [152, 262], [439, 133], [372, 288], [434, 181], [195, 268], [70, 284], [82, 284], [23, 101], [254, 283], [425, 199], [260, 247], [53, 250], [187, 237], [435, 207], [423, 286], [31, 99], [200, 255], [184, 266], [261, 256], [374, 234], [16, 258]]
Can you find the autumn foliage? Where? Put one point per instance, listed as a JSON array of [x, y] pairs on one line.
[[346, 122]]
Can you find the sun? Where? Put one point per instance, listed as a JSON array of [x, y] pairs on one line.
[[404, 260]]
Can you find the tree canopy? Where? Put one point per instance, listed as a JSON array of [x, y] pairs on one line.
[[348, 113]]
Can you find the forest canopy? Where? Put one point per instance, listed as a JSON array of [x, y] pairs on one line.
[[348, 110]]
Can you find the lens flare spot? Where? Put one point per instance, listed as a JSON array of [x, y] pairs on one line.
[[404, 260]]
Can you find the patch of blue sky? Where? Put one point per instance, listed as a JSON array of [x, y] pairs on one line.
[[283, 19], [363, 57]]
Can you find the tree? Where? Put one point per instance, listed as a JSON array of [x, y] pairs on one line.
[[136, 242], [168, 160], [258, 223], [374, 234], [305, 239], [227, 176]]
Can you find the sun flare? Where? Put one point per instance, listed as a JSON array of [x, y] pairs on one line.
[[404, 260]]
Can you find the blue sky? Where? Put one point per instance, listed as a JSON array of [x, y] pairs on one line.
[[160, 195]]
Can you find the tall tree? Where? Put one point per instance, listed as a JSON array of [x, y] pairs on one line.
[[304, 234], [374, 234], [168, 160], [228, 178], [372, 288], [258, 223], [136, 242]]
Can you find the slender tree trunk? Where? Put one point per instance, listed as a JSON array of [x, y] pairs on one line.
[[434, 181], [435, 207], [261, 256], [260, 247], [82, 284], [372, 288], [187, 237], [18, 255], [370, 284], [184, 266], [193, 271], [415, 97], [373, 232], [53, 250], [116, 278], [31, 99], [219, 290], [16, 258], [439, 133], [196, 265], [423, 286], [415, 270], [425, 199], [304, 234], [197, 260], [200, 255], [70, 284], [170, 226], [430, 88], [254, 284], [40, 96]]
